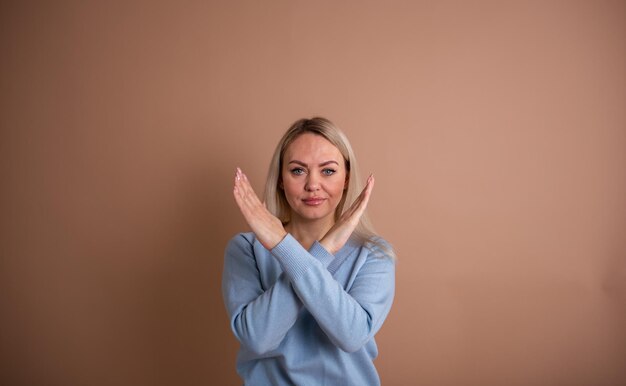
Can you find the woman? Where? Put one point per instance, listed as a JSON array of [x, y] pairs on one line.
[[309, 287]]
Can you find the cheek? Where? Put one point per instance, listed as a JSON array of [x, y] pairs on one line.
[[291, 188], [337, 188]]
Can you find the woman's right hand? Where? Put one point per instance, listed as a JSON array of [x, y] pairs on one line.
[[341, 231], [267, 227]]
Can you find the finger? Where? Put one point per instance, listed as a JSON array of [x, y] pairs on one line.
[[243, 184], [243, 207], [248, 211], [239, 183], [249, 202], [240, 190], [247, 187], [358, 207], [243, 193], [240, 199], [364, 193], [367, 190], [251, 198]]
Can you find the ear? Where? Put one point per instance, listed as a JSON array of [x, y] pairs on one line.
[[345, 184], [280, 184]]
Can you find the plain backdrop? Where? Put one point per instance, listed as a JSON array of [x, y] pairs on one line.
[[496, 131]]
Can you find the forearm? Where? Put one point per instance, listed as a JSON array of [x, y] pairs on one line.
[[262, 324], [260, 318], [349, 319]]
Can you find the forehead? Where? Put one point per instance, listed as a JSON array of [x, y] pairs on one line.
[[312, 148]]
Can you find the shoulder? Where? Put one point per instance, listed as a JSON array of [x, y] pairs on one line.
[[375, 259], [379, 248], [241, 242], [243, 237]]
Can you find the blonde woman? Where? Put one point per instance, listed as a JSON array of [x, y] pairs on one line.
[[309, 287]]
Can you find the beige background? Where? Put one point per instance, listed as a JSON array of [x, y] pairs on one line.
[[496, 131]]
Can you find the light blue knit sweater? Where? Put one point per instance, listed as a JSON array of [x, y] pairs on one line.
[[306, 317]]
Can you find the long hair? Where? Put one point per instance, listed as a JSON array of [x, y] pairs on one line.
[[276, 201]]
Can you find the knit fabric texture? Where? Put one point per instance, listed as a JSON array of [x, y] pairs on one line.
[[306, 317]]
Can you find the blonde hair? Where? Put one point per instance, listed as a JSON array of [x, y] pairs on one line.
[[276, 201]]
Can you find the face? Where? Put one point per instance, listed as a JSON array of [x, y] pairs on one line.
[[313, 178]]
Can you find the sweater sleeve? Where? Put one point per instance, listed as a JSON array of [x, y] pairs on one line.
[[260, 318], [349, 318]]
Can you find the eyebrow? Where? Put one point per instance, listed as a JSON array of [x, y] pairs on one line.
[[295, 161]]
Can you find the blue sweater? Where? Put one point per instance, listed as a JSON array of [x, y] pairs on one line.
[[306, 317]]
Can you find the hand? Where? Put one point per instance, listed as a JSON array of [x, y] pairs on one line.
[[267, 227], [340, 232]]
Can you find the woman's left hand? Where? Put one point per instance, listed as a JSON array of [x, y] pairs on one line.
[[268, 229], [341, 231]]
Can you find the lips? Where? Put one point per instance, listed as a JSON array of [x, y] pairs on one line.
[[313, 201]]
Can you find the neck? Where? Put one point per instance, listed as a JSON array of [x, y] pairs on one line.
[[308, 232]]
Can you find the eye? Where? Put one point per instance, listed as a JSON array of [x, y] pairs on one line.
[[297, 171], [328, 172]]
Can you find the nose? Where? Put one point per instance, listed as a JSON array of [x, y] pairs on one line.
[[312, 183]]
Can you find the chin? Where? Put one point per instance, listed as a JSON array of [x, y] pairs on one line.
[[313, 215]]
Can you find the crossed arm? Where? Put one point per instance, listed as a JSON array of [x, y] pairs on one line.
[[260, 318]]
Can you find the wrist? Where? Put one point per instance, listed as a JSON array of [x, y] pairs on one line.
[[328, 246], [276, 240]]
